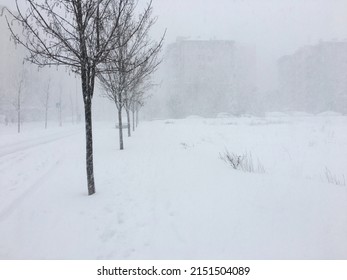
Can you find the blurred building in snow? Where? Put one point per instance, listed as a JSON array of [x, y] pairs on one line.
[[206, 77], [314, 78]]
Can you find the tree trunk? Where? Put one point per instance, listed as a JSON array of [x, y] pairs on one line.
[[60, 107], [46, 117], [72, 110], [89, 147], [18, 120], [128, 119], [78, 116], [60, 116], [46, 103], [137, 118], [133, 112], [18, 112], [120, 124]]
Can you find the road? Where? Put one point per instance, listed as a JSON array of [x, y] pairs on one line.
[[26, 161]]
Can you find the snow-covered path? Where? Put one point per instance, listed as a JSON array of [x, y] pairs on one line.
[[169, 196], [14, 148], [26, 161]]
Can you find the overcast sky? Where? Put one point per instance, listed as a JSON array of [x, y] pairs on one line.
[[275, 27], [288, 22]]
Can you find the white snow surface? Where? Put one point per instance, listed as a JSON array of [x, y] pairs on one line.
[[168, 195]]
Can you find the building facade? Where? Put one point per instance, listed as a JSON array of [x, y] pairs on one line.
[[206, 77], [314, 78]]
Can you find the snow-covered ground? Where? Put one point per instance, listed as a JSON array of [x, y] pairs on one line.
[[168, 195]]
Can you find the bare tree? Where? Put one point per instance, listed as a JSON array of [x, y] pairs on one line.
[[17, 101], [135, 103], [16, 96], [132, 61], [138, 93], [78, 34], [139, 83], [78, 115], [138, 107], [72, 108], [46, 100], [59, 106]]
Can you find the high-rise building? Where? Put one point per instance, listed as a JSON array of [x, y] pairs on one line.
[[314, 78], [206, 77]]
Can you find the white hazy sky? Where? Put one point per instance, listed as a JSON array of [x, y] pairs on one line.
[[275, 27]]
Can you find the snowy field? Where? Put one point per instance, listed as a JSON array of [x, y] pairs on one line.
[[169, 195]]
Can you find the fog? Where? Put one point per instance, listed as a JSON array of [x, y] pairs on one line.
[[275, 27], [272, 28]]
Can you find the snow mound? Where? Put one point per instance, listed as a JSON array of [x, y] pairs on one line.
[[194, 117], [224, 115], [329, 114], [247, 116], [300, 114], [276, 115]]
